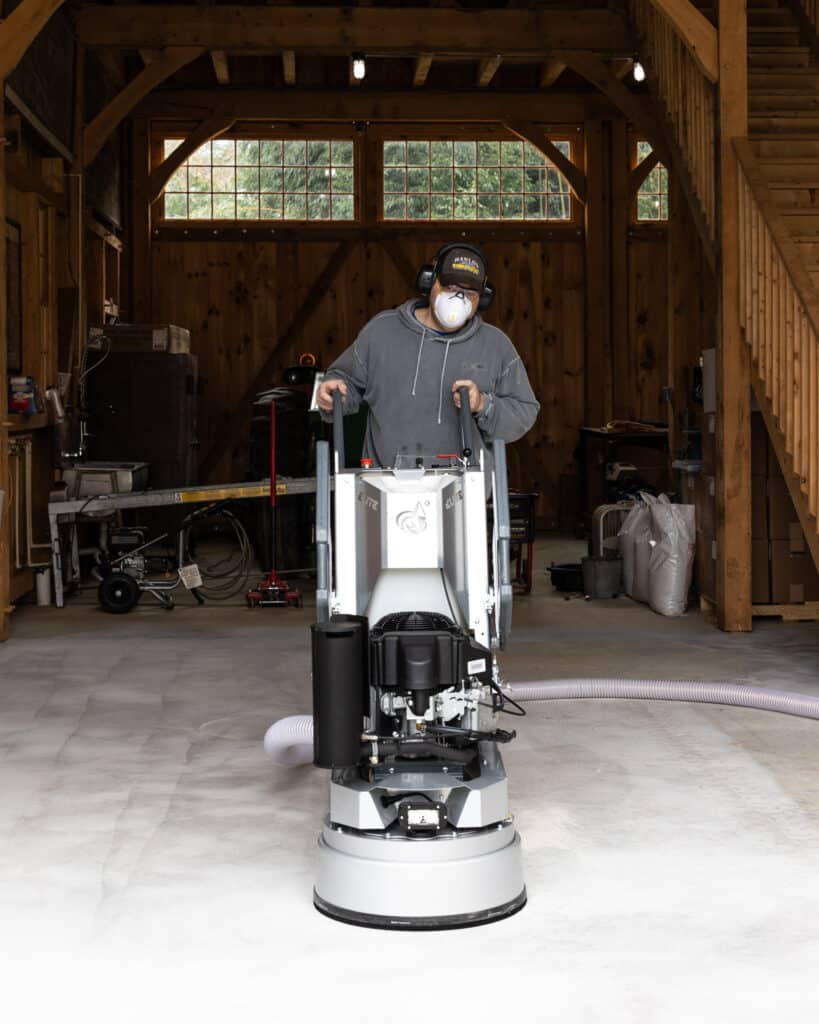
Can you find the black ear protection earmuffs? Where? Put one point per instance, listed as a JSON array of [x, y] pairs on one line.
[[429, 271]]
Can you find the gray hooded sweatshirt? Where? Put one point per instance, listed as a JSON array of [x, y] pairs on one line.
[[404, 371]]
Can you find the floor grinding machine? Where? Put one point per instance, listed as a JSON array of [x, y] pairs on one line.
[[413, 603]]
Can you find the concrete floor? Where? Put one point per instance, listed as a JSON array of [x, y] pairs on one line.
[[154, 867]]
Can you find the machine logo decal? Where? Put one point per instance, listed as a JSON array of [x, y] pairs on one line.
[[412, 521]]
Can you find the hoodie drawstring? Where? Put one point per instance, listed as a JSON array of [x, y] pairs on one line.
[[441, 387], [418, 362]]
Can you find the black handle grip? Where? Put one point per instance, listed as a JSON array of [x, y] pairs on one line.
[[467, 426], [338, 428]]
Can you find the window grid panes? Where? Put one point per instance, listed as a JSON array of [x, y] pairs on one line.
[[473, 180], [263, 179], [652, 196]]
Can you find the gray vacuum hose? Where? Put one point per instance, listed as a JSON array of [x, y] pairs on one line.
[[733, 694], [290, 740]]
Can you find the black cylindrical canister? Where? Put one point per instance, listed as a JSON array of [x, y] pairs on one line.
[[365, 654], [338, 708]]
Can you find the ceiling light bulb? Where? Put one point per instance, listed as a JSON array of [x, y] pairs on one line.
[[639, 72], [359, 68]]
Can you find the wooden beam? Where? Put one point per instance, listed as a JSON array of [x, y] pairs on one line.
[[322, 232], [733, 483], [621, 66], [423, 62], [207, 130], [433, 107], [486, 70], [39, 126], [5, 517], [100, 129], [621, 347], [639, 173], [550, 71], [595, 71], [149, 56], [19, 30], [289, 67], [221, 68], [231, 433], [570, 171], [597, 223], [343, 30], [141, 310], [696, 31]]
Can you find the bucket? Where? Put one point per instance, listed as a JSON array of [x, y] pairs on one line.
[[42, 584], [602, 577]]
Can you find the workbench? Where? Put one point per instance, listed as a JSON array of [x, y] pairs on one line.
[[62, 513]]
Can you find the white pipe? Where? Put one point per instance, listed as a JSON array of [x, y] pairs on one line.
[[289, 741], [30, 544]]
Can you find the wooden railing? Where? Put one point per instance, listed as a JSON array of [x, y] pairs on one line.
[[689, 99], [779, 311]]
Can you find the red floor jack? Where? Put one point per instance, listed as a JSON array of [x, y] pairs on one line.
[[273, 591]]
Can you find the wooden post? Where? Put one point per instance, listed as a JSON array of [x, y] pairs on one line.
[[5, 516], [733, 365], [598, 274], [140, 241], [620, 223]]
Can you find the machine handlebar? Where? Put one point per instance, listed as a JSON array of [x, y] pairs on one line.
[[467, 428], [338, 428]]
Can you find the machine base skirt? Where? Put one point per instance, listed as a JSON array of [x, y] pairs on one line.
[[420, 924], [411, 885]]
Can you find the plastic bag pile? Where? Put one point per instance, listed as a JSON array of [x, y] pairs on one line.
[[657, 544]]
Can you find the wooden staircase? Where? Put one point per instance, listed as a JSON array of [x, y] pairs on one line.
[[779, 208]]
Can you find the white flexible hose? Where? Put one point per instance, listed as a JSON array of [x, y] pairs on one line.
[[734, 694], [289, 741]]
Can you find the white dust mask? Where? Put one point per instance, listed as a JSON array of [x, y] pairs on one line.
[[452, 309]]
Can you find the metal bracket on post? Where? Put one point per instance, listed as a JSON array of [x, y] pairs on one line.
[[502, 538]]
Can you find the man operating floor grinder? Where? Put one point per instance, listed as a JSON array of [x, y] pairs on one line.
[[412, 610]]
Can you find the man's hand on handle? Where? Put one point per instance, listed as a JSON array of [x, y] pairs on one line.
[[324, 393], [476, 397]]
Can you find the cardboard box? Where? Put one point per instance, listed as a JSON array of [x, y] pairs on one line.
[[794, 578], [781, 513], [140, 338], [760, 572], [759, 508]]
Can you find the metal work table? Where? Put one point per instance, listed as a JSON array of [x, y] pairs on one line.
[[68, 512]]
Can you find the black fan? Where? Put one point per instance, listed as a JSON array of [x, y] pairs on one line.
[[407, 622]]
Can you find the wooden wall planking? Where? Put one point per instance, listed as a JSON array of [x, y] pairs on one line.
[[238, 297], [639, 391]]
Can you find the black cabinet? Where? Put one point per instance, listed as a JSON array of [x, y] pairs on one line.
[[141, 406]]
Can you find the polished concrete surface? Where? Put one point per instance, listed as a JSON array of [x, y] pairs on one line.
[[155, 867]]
